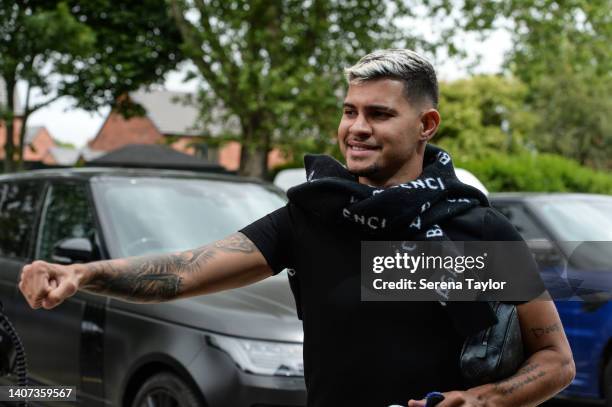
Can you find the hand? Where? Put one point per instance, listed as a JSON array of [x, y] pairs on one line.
[[453, 399], [48, 285]]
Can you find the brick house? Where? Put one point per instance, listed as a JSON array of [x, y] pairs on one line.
[[168, 120], [38, 140]]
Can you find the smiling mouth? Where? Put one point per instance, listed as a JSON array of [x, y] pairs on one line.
[[361, 152], [361, 147]]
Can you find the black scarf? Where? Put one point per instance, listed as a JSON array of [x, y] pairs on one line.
[[410, 211], [406, 211]]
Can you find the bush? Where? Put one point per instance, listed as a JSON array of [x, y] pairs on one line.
[[536, 173]]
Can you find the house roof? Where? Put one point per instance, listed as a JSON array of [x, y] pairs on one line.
[[169, 111], [65, 156], [153, 156], [173, 114], [32, 132], [90, 154], [3, 98]]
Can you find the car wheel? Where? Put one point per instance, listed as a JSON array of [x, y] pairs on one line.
[[607, 383], [166, 390]]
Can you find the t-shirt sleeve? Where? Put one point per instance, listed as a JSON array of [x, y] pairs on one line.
[[517, 261], [499, 228], [272, 234]]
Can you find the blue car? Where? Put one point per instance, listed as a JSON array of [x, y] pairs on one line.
[[570, 236]]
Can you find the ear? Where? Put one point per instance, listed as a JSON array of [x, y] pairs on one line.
[[430, 120]]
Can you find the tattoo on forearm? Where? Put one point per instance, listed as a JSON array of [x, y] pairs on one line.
[[528, 368], [527, 374], [139, 279], [236, 243], [538, 332], [515, 385], [158, 278]]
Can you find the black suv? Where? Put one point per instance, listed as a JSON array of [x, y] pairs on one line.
[[240, 348]]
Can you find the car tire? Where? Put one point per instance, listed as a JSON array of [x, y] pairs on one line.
[[166, 390], [607, 383]]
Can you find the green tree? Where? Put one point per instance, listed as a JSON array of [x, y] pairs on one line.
[[276, 67], [91, 51], [562, 51], [32, 39], [575, 108], [482, 114], [537, 172], [137, 42]]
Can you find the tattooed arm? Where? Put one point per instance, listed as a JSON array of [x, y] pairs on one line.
[[548, 369], [228, 263]]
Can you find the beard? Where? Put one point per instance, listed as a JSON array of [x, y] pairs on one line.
[[366, 172]]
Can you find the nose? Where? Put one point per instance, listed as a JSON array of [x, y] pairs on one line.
[[360, 127]]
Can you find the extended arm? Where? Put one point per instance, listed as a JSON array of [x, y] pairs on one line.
[[228, 263]]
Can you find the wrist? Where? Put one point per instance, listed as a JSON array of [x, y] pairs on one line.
[[487, 394], [82, 273]]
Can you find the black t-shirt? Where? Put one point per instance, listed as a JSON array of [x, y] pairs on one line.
[[365, 353]]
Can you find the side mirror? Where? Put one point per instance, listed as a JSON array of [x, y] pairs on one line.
[[73, 250], [592, 256]]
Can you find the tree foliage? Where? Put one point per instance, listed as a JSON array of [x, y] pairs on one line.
[[137, 42], [482, 114], [562, 51], [536, 172], [33, 36], [92, 51], [276, 67]]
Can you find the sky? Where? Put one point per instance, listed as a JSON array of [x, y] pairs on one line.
[[77, 126]]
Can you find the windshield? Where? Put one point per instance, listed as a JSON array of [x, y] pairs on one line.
[[578, 219], [153, 215]]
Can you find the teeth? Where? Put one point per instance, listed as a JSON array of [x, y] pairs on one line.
[[358, 148]]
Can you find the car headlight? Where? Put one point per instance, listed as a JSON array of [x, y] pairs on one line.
[[262, 357]]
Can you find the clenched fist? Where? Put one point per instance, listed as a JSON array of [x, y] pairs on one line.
[[47, 285]]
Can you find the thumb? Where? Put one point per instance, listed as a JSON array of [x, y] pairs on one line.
[[417, 403], [59, 293]]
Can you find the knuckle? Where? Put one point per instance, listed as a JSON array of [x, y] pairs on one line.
[[39, 295], [71, 287]]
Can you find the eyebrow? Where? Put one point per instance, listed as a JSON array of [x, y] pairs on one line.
[[383, 108]]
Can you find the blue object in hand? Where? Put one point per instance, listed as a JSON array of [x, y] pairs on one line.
[[433, 398]]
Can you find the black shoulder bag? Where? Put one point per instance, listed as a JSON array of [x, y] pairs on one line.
[[495, 352]]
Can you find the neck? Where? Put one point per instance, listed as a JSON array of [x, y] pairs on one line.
[[407, 173]]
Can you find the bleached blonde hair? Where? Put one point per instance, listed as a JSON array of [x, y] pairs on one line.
[[417, 73]]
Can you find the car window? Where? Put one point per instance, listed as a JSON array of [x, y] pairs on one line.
[[66, 214], [143, 215], [578, 219], [521, 220], [18, 206]]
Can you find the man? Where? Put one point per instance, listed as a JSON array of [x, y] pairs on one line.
[[355, 353]]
